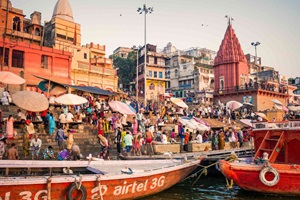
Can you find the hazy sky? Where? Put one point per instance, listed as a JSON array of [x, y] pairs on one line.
[[274, 23]]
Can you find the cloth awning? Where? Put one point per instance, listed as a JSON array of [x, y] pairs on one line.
[[91, 89]]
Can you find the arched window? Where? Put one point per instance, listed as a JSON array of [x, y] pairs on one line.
[[152, 86], [17, 24], [37, 32]]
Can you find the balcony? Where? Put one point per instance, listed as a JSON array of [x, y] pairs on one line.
[[104, 61]]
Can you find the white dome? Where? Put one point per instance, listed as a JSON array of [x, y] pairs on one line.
[[63, 10]]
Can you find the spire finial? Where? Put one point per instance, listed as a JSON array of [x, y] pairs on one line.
[[230, 19]]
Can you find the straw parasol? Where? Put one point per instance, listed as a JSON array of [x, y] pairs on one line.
[[11, 78], [233, 105], [70, 99], [178, 102], [30, 101]]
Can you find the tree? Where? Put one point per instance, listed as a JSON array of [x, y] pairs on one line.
[[126, 68]]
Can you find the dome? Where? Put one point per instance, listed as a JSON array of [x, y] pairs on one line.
[[63, 10]]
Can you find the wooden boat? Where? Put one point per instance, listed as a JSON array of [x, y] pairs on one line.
[[90, 180], [211, 156], [276, 165]]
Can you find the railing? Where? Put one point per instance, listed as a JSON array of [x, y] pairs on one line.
[[255, 87], [276, 125]]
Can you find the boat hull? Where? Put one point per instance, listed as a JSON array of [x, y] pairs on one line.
[[246, 176], [124, 186]]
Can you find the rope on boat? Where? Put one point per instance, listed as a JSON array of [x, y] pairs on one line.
[[204, 171], [99, 186], [78, 182], [49, 180]]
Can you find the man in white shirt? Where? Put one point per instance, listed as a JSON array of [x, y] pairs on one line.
[[21, 115], [70, 117], [52, 100], [62, 118], [35, 146]]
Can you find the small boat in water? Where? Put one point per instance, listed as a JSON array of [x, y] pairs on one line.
[[276, 165], [81, 180]]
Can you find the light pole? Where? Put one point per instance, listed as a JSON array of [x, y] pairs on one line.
[[145, 10], [137, 72], [255, 44]]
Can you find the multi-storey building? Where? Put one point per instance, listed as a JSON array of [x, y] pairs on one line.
[[52, 51], [191, 72], [155, 73], [22, 51]]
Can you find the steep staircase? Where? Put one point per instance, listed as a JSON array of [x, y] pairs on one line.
[[272, 144], [85, 136]]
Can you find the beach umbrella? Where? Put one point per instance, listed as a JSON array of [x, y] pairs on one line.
[[247, 122], [178, 102], [262, 115], [187, 124], [199, 127], [121, 107], [233, 105], [11, 78], [281, 107], [276, 101], [248, 104], [30, 101], [70, 99], [201, 121]]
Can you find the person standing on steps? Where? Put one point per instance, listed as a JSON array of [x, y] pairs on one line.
[[35, 146]]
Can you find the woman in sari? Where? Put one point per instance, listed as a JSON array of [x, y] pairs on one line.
[[26, 142], [52, 124], [134, 126], [70, 140], [10, 127]]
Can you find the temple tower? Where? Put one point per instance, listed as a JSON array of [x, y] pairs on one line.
[[230, 65]]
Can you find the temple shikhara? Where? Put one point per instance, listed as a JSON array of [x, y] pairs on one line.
[[233, 80]]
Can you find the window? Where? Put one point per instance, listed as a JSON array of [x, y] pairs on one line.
[[150, 73], [16, 24], [61, 36], [5, 56], [160, 75], [85, 55], [152, 86], [155, 60], [155, 74], [44, 61], [18, 59], [71, 39]]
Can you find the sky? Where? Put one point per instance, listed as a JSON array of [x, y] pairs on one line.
[[114, 23]]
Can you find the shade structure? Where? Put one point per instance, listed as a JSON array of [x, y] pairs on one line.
[[11, 78], [201, 121], [70, 99], [294, 108], [233, 105], [191, 123], [281, 107], [276, 101], [262, 115], [121, 107], [30, 101], [247, 122], [178, 102], [248, 104]]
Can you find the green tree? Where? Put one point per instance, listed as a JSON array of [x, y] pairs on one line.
[[127, 68]]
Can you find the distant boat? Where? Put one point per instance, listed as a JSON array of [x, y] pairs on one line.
[[90, 180], [277, 161]]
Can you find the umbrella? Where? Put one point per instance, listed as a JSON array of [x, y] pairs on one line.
[[30, 101], [70, 99], [121, 107], [281, 107], [178, 102], [187, 123], [294, 108], [201, 121], [11, 78], [233, 105], [276, 101], [262, 115], [248, 122], [248, 104]]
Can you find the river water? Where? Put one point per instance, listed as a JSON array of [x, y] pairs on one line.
[[211, 188]]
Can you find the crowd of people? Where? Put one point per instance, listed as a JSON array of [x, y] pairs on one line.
[[154, 123]]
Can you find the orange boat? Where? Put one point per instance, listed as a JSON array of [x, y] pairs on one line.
[[90, 180], [276, 165]]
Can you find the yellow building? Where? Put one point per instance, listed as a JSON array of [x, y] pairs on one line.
[[155, 74], [89, 65]]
